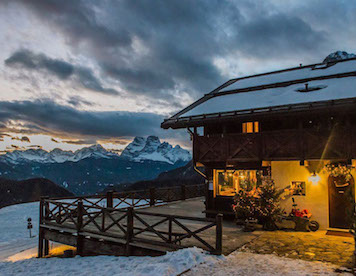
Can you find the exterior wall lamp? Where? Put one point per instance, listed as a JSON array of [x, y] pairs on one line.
[[314, 178]]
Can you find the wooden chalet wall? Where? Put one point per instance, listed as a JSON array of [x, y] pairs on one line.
[[278, 145]]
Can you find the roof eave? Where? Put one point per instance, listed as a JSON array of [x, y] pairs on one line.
[[198, 120]]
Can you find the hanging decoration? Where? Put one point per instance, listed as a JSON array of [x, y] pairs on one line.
[[339, 170], [340, 175]]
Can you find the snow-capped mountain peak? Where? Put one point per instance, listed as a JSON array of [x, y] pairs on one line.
[[139, 149], [96, 151], [338, 55], [152, 149], [56, 155]]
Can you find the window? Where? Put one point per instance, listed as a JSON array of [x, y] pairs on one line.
[[229, 182], [250, 127]]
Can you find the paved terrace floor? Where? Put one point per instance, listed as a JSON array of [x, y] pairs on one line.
[[308, 246]]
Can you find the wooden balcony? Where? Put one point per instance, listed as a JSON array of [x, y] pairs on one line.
[[303, 144]]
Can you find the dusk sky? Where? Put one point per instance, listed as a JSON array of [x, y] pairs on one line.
[[75, 73]]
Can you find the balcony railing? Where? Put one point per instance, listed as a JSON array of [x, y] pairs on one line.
[[299, 144]]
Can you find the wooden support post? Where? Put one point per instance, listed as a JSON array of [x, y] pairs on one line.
[[46, 214], [103, 220], [152, 196], [218, 247], [80, 209], [46, 247], [109, 199], [40, 231], [183, 192], [40, 244], [129, 230], [170, 229]]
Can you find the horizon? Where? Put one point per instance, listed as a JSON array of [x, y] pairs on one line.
[[107, 78]]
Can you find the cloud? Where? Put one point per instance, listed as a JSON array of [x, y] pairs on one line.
[[50, 118], [2, 135], [277, 34], [79, 142], [160, 54], [61, 69], [35, 147], [77, 101], [22, 139], [167, 50], [116, 141]]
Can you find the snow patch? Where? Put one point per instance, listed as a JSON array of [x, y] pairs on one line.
[[239, 263], [173, 263]]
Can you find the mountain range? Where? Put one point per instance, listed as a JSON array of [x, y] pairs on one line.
[[152, 149], [92, 169], [139, 149]]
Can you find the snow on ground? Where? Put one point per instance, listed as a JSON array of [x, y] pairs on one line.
[[173, 263], [16, 247], [247, 264], [14, 236]]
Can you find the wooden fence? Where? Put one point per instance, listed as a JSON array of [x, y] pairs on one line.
[[102, 216], [141, 198]]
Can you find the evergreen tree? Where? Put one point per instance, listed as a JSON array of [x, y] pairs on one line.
[[261, 203]]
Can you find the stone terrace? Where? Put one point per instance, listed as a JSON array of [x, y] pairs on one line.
[[306, 246]]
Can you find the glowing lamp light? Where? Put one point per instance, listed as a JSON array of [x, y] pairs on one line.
[[314, 178]]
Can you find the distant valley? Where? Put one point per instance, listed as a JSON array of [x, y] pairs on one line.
[[92, 169]]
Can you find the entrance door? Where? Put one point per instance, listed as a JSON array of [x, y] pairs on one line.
[[341, 197]]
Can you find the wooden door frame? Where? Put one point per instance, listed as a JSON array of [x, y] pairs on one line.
[[329, 201]]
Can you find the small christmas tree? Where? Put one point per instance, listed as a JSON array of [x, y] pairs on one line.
[[269, 208], [261, 203]]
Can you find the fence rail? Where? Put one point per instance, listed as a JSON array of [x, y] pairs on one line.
[[117, 215], [140, 198]]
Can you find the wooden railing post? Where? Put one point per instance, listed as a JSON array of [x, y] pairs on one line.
[[218, 246], [43, 244], [80, 211], [46, 214], [109, 199], [40, 231], [129, 230], [152, 196], [170, 220], [183, 192]]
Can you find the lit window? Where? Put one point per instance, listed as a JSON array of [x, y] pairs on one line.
[[229, 182], [250, 127]]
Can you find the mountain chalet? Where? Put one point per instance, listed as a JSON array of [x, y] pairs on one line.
[[295, 124]]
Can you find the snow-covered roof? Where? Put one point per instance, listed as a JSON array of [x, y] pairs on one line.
[[316, 84]]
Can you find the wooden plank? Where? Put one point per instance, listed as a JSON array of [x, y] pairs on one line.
[[60, 237]]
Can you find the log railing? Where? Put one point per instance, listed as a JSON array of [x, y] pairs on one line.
[[140, 198], [277, 145], [85, 216]]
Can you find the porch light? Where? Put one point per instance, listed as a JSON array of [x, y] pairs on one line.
[[314, 178]]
